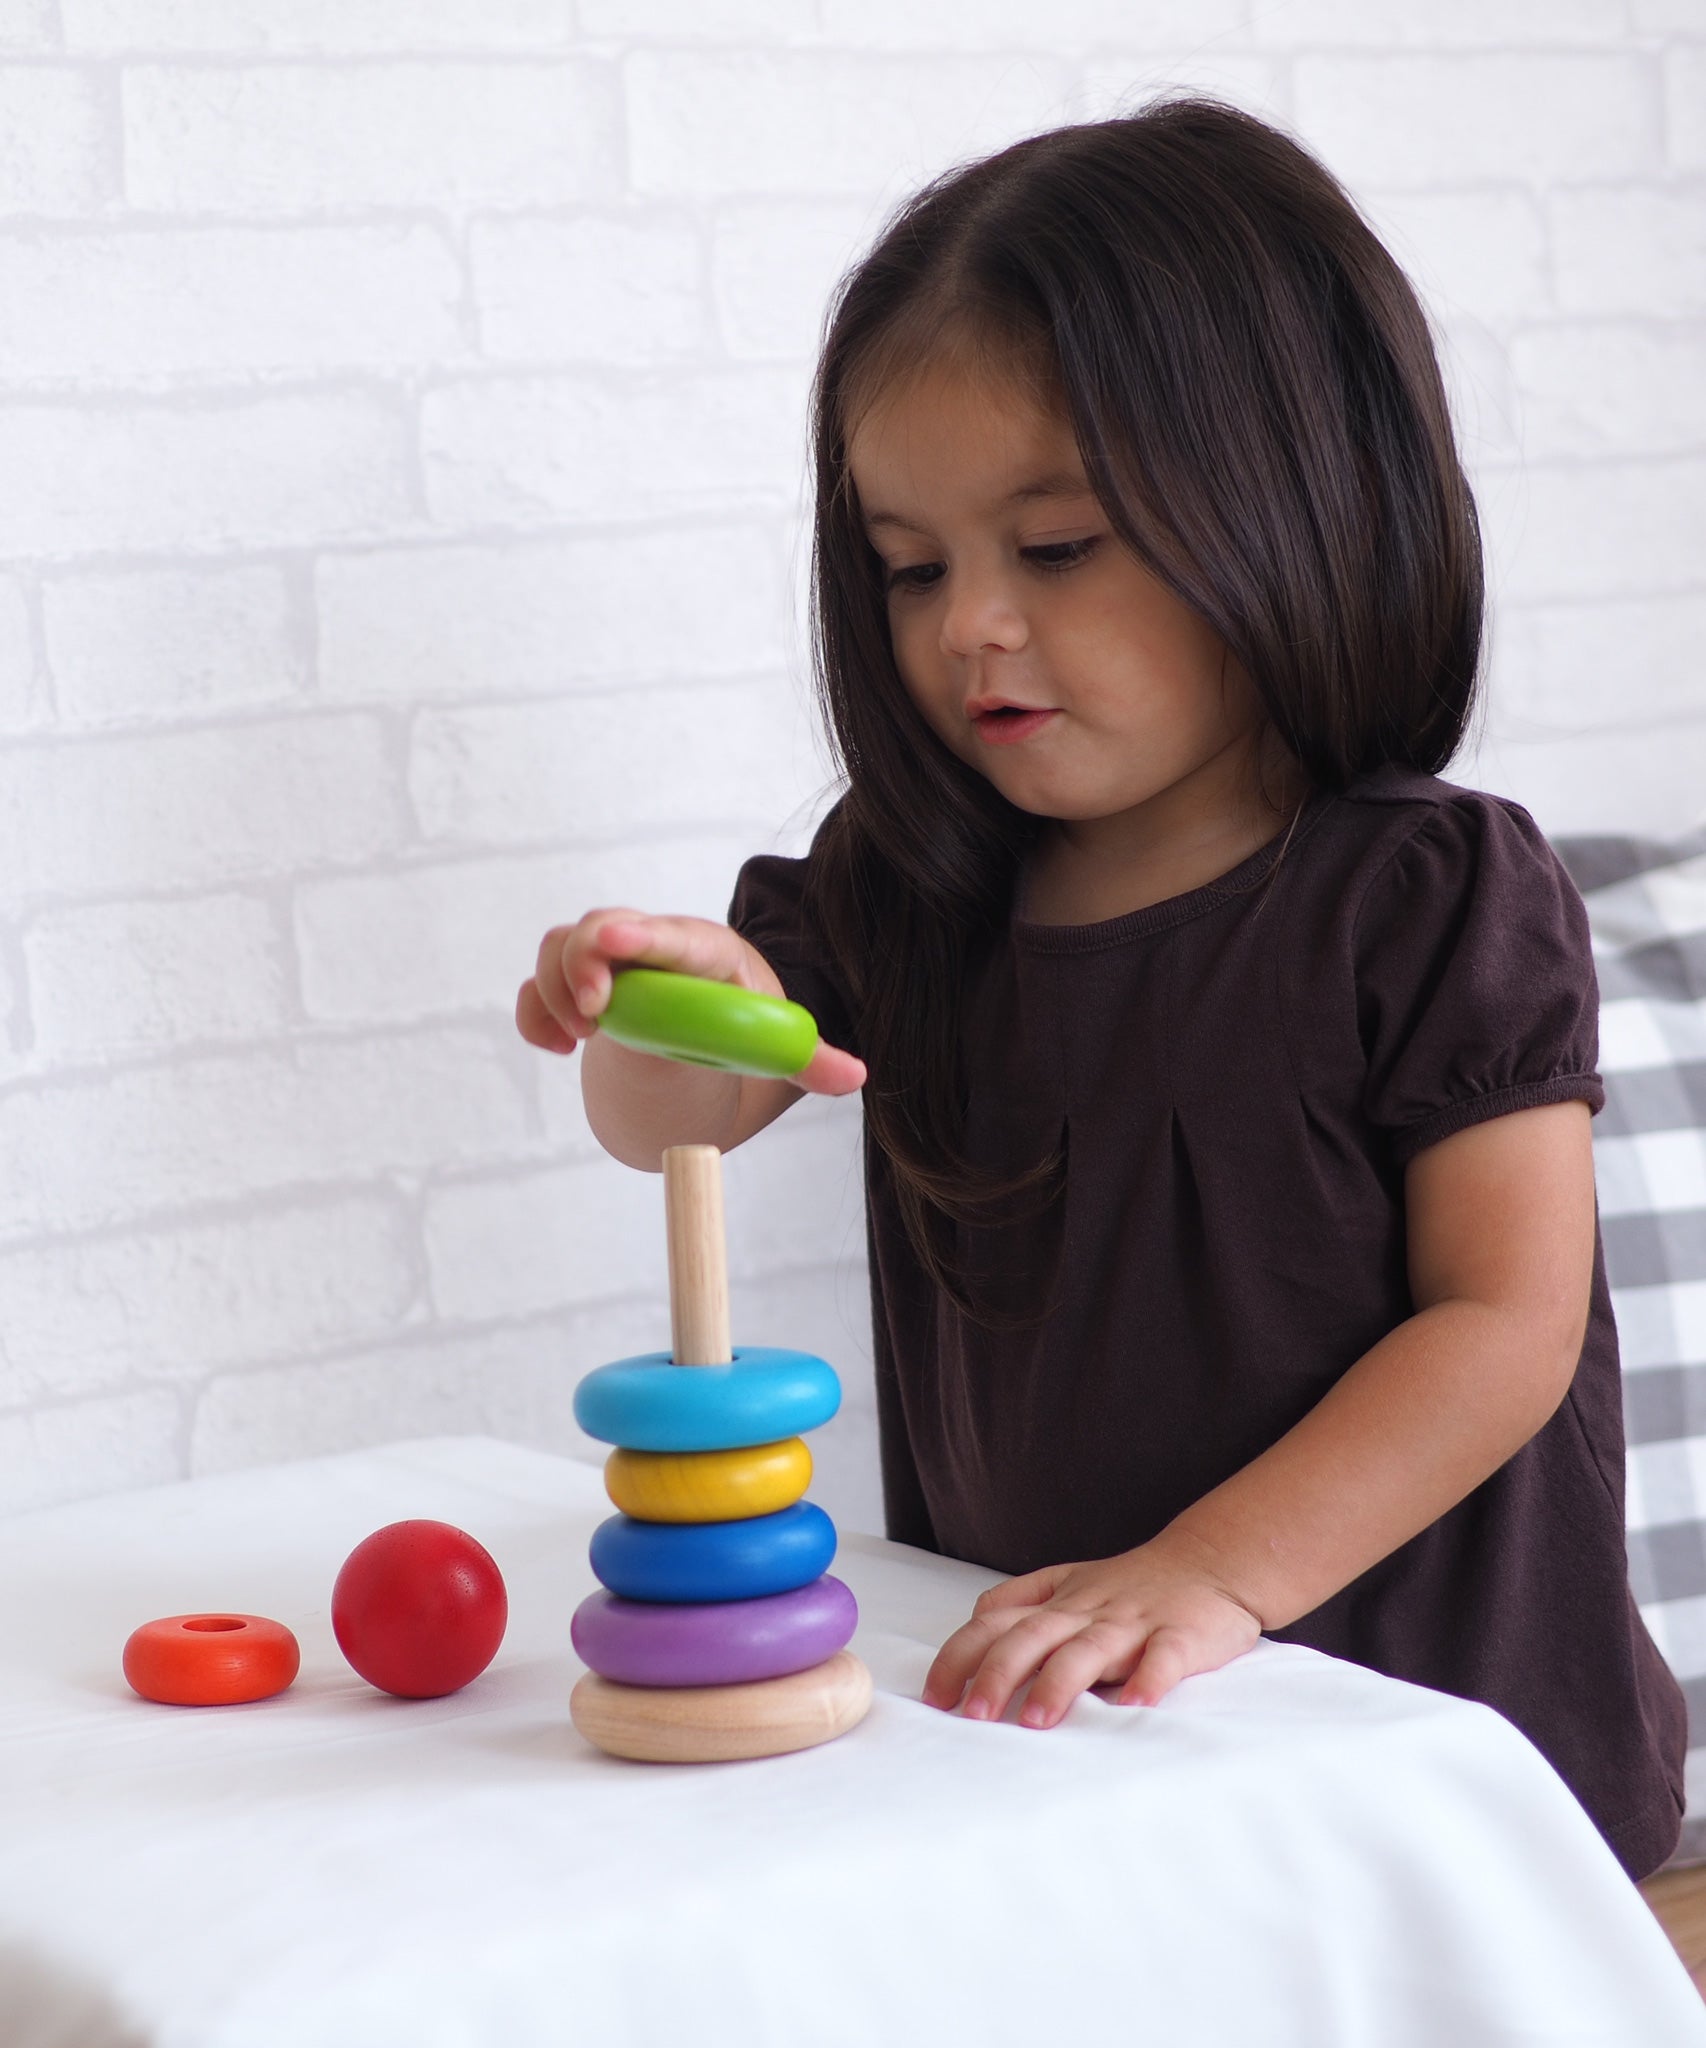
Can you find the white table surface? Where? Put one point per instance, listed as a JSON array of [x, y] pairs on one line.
[[1289, 1851]]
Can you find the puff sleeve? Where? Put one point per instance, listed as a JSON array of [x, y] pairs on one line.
[[769, 911], [1476, 992]]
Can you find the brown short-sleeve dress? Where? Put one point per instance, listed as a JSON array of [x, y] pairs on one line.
[[1238, 1077]]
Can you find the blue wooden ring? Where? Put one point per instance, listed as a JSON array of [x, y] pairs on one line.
[[700, 1561], [636, 1642], [652, 1404]]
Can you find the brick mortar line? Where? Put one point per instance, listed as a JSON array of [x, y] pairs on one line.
[[192, 1218], [303, 709], [415, 539]]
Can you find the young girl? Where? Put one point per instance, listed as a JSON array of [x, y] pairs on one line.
[[1227, 1076]]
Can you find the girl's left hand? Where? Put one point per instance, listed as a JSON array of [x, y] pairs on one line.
[[1142, 1620]]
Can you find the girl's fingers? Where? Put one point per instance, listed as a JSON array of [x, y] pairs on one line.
[[684, 945], [571, 981], [1015, 1657], [573, 968], [958, 1658], [1089, 1657], [831, 1072], [1029, 1589], [551, 977], [690, 945], [583, 958], [955, 1662], [551, 996], [636, 941], [1167, 1657], [994, 1611], [537, 1025], [1069, 1627]]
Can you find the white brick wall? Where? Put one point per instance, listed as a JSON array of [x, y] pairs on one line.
[[384, 28], [552, 615], [143, 644], [59, 144], [202, 474], [221, 302], [111, 978], [295, 138], [205, 804], [402, 426], [18, 697], [1536, 116]]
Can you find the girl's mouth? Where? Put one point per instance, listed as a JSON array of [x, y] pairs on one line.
[[1008, 726]]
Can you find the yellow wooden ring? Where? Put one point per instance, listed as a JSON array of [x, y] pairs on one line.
[[708, 1486], [718, 1724]]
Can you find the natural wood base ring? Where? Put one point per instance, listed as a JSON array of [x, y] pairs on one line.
[[715, 1724]]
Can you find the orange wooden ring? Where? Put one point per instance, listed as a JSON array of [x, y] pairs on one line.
[[210, 1660]]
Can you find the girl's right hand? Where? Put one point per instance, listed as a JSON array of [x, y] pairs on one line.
[[570, 986]]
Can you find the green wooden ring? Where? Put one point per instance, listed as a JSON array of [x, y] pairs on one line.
[[709, 1023]]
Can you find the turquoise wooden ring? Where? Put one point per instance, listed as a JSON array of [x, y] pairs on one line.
[[692, 1562], [650, 1403], [636, 1642], [709, 1023]]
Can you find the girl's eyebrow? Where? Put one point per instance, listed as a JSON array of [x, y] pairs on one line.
[[1058, 483]]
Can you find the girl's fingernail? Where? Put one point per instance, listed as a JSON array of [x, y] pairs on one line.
[[977, 1710], [1034, 1717]]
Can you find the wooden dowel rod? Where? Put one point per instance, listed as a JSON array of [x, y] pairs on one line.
[[698, 1257]]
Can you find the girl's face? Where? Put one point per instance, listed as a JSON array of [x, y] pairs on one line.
[[1037, 646]]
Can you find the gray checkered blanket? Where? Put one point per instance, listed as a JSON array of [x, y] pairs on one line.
[[1647, 907]]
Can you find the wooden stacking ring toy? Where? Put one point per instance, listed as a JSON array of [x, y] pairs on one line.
[[719, 1724], [640, 1642], [709, 1023], [649, 1404], [708, 1486], [718, 1633], [705, 1561], [210, 1660]]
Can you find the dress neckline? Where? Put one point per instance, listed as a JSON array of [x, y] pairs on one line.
[[1240, 880]]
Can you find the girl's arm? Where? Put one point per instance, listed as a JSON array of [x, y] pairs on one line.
[[1500, 1222], [1500, 1235], [636, 1103]]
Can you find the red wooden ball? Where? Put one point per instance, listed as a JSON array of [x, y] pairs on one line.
[[419, 1609]]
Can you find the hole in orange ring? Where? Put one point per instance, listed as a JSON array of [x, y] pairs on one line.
[[206, 1623]]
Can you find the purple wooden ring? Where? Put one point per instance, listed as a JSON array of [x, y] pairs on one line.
[[725, 1642]]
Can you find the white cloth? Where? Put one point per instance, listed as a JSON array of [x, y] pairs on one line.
[[1289, 1851]]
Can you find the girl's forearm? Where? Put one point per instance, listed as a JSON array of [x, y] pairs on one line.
[[1411, 1429]]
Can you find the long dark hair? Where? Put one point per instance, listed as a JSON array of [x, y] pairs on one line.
[[1257, 404]]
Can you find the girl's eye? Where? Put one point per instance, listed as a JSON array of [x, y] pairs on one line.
[[920, 577], [1060, 554], [1050, 560]]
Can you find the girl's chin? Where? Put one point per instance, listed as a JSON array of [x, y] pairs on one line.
[[1044, 792]]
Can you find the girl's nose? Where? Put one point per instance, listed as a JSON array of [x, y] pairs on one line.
[[981, 614]]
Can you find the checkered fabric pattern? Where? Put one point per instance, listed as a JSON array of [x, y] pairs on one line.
[[1647, 907]]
